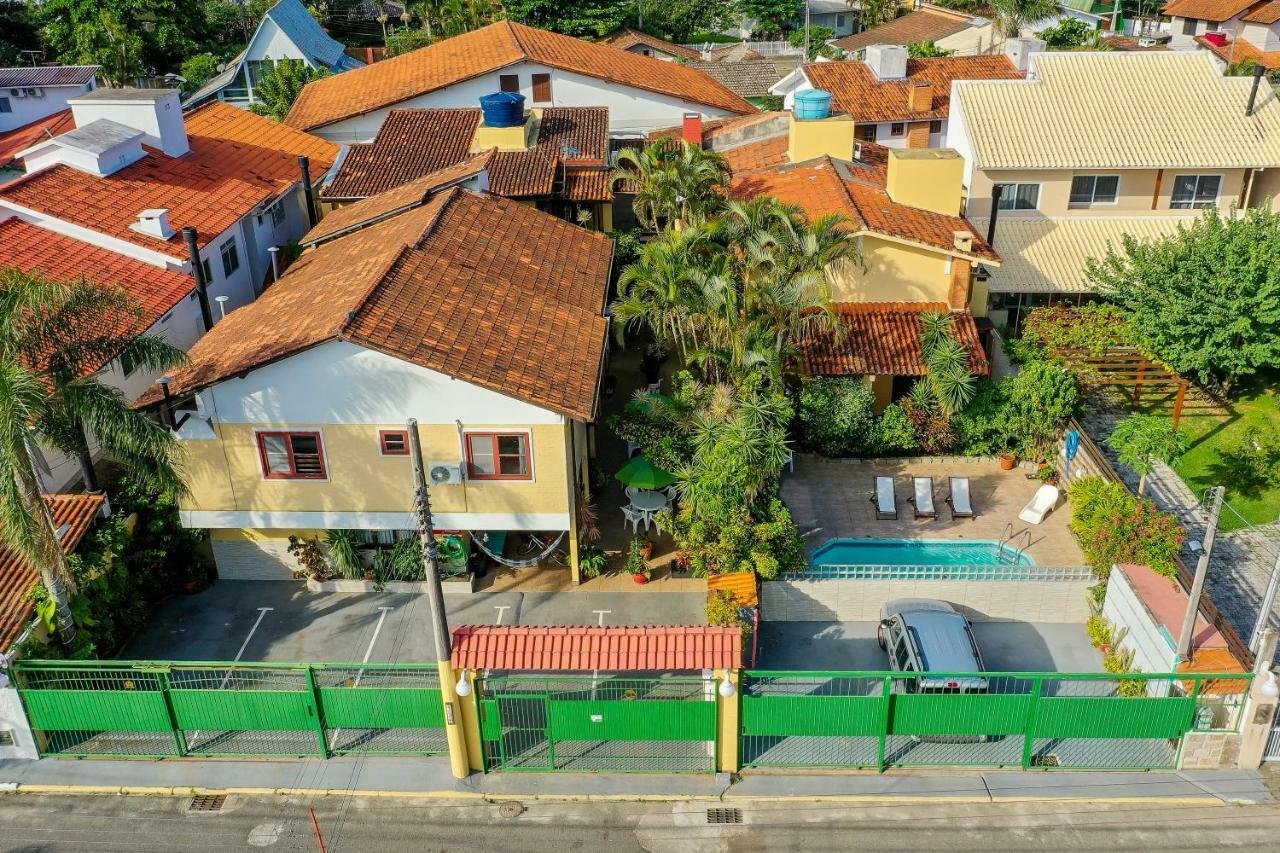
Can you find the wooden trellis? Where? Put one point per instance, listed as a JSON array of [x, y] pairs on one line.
[[1144, 377]]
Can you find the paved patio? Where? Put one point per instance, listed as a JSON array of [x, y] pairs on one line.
[[830, 498]]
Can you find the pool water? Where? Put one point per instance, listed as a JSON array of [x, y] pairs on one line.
[[915, 552]]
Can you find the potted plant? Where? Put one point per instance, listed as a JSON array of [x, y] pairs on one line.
[[1046, 473], [637, 566], [1008, 459], [591, 560], [646, 547]]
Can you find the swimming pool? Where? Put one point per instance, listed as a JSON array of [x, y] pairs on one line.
[[915, 552]]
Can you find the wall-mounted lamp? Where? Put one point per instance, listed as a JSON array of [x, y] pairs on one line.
[[463, 687], [727, 688]]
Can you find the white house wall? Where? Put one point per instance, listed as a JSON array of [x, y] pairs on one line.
[[1152, 650], [28, 109], [270, 42]]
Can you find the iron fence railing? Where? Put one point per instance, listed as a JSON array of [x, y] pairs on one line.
[[993, 572]]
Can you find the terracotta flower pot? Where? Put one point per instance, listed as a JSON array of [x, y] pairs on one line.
[[647, 551], [1007, 461], [640, 579]]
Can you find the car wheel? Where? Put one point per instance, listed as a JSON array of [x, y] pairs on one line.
[[882, 639]]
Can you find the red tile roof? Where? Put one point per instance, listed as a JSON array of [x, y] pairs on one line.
[[481, 288], [883, 339], [1207, 10], [490, 48], [1238, 50], [17, 576], [857, 91], [1266, 13], [630, 38], [24, 137], [538, 648], [415, 142], [920, 25], [237, 160]]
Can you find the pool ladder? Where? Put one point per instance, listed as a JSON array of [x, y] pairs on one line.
[[1007, 539]]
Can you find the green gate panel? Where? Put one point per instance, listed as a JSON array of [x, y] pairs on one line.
[[382, 708], [243, 710], [959, 714], [650, 719], [832, 716], [490, 720], [1113, 717], [97, 710]]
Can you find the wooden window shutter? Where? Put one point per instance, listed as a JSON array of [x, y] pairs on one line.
[[509, 82], [542, 88]]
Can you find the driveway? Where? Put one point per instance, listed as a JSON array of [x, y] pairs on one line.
[[282, 621]]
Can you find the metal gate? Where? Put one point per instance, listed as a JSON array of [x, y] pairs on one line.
[[146, 709], [619, 725], [1272, 752], [1026, 720]]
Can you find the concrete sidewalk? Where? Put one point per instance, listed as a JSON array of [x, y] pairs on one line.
[[426, 778]]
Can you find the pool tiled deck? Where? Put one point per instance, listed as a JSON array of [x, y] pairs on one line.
[[830, 498]]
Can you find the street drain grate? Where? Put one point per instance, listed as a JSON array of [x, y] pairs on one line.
[[723, 817], [207, 803], [511, 809]]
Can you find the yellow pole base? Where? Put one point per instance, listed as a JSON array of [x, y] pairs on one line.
[[459, 762]]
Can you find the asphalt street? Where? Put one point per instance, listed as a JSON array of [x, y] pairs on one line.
[[48, 824]]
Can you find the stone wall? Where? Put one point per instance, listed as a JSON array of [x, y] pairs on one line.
[[1210, 751]]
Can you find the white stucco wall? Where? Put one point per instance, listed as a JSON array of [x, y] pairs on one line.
[[14, 721], [1153, 650], [31, 108]]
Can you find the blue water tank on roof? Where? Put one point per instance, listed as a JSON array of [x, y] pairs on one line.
[[502, 109], [812, 103]]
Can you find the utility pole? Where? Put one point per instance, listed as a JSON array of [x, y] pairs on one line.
[[806, 31], [439, 623], [1202, 569], [1268, 603]]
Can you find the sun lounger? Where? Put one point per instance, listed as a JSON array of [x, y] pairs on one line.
[[886, 502], [923, 497], [961, 505], [1040, 505]]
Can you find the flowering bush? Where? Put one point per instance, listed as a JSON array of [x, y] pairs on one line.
[[1115, 527]]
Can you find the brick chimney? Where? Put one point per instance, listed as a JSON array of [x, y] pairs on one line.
[[920, 97], [691, 130]]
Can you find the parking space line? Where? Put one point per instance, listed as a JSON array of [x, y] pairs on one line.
[[368, 652], [262, 612], [501, 608]]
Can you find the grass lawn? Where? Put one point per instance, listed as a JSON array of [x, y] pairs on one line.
[[1210, 462]]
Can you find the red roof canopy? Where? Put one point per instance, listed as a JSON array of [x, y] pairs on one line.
[[582, 648]]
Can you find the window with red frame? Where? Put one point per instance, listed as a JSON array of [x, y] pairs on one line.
[[498, 456], [393, 442], [291, 455]]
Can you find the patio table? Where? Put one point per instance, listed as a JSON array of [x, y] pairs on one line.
[[649, 501]]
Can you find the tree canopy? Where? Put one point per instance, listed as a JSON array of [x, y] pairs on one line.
[[281, 85], [126, 37]]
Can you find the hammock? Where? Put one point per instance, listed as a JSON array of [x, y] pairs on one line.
[[477, 539]]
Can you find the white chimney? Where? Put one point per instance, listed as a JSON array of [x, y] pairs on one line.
[[1019, 50], [962, 240], [155, 112], [154, 222], [887, 61]]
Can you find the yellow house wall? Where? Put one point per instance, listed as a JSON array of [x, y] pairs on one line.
[[927, 178], [226, 474], [882, 388], [811, 138], [1137, 190], [894, 272]]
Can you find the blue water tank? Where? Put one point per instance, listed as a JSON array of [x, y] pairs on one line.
[[812, 103], [504, 109]]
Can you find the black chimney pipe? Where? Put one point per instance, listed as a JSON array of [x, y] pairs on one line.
[[996, 191], [313, 216], [1258, 71], [197, 272]]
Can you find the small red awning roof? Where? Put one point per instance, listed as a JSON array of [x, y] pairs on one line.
[[584, 648]]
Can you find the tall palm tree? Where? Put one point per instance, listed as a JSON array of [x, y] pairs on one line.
[[675, 182], [54, 337], [1013, 16]]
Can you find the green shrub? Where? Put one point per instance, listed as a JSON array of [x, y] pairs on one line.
[[724, 609], [591, 560], [766, 543], [894, 433], [1115, 527], [982, 428], [837, 416], [1042, 398], [344, 553]]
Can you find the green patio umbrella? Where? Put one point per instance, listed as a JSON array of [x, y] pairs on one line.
[[643, 474]]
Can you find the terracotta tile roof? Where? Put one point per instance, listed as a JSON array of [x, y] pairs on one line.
[[237, 160], [1207, 10], [630, 38], [858, 92], [741, 585], [415, 142], [608, 648], [482, 288], [734, 53], [453, 60], [17, 576], [1239, 50], [883, 339], [1266, 13], [921, 25], [750, 79], [408, 195], [856, 190], [24, 137]]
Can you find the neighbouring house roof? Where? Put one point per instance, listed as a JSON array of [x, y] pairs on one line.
[[72, 515], [48, 75], [750, 78], [481, 288], [1048, 255], [1239, 50], [734, 53], [21, 138], [630, 38], [589, 648], [1181, 113], [1207, 10], [921, 25], [741, 585], [883, 339], [1266, 13], [237, 161], [292, 17], [415, 142], [490, 48], [858, 92]]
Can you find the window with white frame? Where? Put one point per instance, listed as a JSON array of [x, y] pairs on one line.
[[1088, 190], [1195, 191], [230, 256], [897, 128], [1019, 196]]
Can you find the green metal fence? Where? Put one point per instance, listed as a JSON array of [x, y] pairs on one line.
[[1027, 720], [142, 709], [619, 725]]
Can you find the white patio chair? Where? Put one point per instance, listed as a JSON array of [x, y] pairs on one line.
[[922, 497], [886, 502], [961, 505], [1040, 505], [790, 460], [634, 517], [655, 387], [630, 492]]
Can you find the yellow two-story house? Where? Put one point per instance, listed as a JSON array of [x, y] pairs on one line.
[[1094, 146], [480, 317]]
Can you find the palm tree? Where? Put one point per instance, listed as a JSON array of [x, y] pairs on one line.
[[1013, 16], [674, 181], [1141, 440], [54, 337], [949, 378]]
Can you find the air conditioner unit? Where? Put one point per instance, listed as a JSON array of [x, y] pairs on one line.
[[445, 473], [18, 93], [36, 92]]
